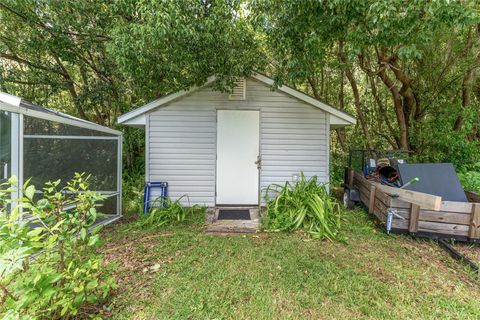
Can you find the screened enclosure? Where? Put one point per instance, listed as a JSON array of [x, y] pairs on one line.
[[43, 145]]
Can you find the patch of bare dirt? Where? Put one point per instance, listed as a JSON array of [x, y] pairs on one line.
[[136, 263], [471, 251], [430, 253]]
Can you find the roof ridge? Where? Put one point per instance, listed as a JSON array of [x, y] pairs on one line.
[[139, 111]]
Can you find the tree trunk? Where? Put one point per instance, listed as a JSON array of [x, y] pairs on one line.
[[391, 137], [467, 78], [358, 107], [356, 95], [313, 85], [71, 88], [398, 107], [341, 105]]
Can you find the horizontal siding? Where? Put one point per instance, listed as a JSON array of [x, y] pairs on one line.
[[182, 140], [182, 152]]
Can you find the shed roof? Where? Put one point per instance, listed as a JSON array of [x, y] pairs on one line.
[[16, 104], [338, 118]]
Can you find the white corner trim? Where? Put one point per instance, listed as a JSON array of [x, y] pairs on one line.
[[302, 96], [147, 147], [139, 121], [10, 99], [336, 121], [159, 102]]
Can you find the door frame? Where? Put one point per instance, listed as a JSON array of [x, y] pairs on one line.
[[259, 170]]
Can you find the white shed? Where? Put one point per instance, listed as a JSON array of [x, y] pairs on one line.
[[225, 149]]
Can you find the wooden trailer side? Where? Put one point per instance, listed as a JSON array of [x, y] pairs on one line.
[[378, 202], [450, 220], [459, 220]]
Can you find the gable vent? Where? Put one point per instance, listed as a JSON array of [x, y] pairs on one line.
[[239, 90]]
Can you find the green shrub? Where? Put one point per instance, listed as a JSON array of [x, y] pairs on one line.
[[470, 180], [304, 205], [469, 176], [172, 212], [338, 162], [132, 190], [65, 271]]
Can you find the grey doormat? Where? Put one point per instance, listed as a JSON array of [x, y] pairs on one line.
[[234, 214]]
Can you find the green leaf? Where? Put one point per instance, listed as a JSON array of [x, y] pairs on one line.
[[29, 192], [92, 284], [78, 289], [13, 180], [83, 234]]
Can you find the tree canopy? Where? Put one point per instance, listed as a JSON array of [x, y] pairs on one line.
[[408, 70]]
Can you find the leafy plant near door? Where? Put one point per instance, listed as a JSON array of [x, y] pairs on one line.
[[68, 272], [166, 212], [303, 205]]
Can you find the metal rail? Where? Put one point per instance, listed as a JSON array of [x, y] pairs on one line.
[[457, 255]]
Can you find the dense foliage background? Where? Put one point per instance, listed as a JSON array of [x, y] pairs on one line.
[[407, 69]]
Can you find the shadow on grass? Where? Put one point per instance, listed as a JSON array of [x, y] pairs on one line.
[[181, 272]]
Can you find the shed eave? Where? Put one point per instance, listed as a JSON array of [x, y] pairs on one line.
[[137, 122], [349, 120], [336, 122]]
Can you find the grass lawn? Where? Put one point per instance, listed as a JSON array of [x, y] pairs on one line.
[[181, 272]]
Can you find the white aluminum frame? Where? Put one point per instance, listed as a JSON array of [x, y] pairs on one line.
[[58, 117], [119, 175], [18, 112], [15, 150], [33, 136], [20, 155]]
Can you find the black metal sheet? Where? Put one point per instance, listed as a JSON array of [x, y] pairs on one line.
[[439, 179]]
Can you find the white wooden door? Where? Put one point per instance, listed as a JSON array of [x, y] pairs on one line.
[[238, 139]]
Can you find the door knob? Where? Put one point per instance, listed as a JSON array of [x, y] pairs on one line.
[[259, 162]]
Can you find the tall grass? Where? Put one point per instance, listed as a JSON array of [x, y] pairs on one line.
[[303, 205], [172, 212]]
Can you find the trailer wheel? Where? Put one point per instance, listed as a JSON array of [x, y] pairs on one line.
[[347, 202]]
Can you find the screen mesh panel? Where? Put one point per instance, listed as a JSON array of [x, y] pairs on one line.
[[49, 159]]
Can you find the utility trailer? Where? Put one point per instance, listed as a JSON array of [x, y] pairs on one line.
[[420, 216]]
